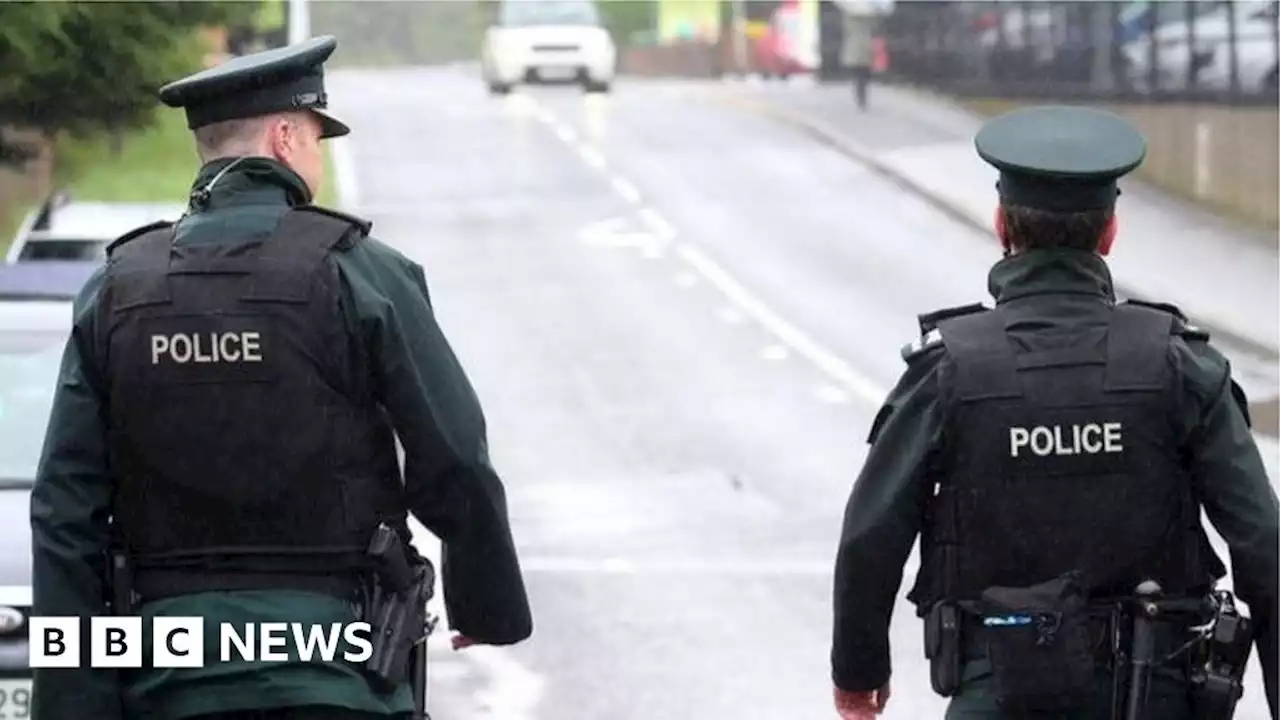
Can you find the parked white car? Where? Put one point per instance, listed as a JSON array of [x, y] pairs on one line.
[[35, 323], [1207, 58], [63, 229], [545, 41]]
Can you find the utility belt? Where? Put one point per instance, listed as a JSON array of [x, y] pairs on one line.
[[1046, 644], [388, 583]]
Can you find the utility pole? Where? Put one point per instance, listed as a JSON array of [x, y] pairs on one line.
[[299, 21]]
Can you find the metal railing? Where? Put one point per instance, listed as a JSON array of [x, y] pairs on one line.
[[1216, 52]]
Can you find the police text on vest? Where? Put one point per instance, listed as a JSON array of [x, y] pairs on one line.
[[228, 347], [1088, 439]]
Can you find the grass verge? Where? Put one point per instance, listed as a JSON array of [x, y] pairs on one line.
[[156, 164], [11, 218]]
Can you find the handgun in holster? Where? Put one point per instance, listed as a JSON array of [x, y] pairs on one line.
[[1217, 680], [943, 647], [397, 615]]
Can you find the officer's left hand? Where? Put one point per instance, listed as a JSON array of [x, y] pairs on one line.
[[861, 705], [461, 641]]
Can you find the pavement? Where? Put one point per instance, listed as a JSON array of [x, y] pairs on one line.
[[1168, 248], [680, 329]]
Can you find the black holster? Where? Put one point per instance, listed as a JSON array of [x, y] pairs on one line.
[[398, 590], [944, 647]]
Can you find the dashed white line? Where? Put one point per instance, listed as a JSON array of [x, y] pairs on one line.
[[774, 352], [624, 188], [660, 227], [591, 156], [565, 133], [837, 369]]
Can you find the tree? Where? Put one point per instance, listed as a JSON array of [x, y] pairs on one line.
[[84, 68]]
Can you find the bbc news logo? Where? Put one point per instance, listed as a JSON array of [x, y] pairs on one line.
[[179, 642]]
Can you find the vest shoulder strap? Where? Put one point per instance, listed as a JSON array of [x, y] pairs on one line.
[[930, 320], [1182, 326], [137, 233], [986, 366], [325, 227], [916, 349], [1137, 344], [930, 338]]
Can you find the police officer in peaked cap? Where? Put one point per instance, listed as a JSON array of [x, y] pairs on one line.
[[222, 442], [1054, 452]]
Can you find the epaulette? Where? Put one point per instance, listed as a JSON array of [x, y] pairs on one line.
[[1165, 307], [137, 233], [1182, 327], [929, 321], [928, 341], [365, 226]]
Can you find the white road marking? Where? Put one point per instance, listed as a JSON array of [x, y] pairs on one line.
[[833, 366], [686, 279], [614, 232], [837, 369], [775, 352], [591, 156], [565, 133], [624, 188], [657, 223]]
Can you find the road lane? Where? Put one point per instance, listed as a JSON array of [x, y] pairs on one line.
[[676, 471], [680, 321]]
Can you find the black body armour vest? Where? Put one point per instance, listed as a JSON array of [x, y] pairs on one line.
[[245, 441], [1059, 460]]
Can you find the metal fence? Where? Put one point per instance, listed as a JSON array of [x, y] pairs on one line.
[[1218, 52]]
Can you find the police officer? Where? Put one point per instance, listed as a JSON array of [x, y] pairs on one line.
[[228, 401], [1051, 451]]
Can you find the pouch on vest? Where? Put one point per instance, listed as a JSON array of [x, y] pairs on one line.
[[1037, 640], [943, 647]]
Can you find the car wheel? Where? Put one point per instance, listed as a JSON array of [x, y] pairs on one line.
[[497, 88], [591, 86]]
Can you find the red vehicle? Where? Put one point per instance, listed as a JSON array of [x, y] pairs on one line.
[[775, 54]]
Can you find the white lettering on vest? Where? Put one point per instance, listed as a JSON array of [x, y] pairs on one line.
[[230, 347], [1088, 439]]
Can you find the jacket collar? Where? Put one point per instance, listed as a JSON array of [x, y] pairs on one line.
[[1045, 272]]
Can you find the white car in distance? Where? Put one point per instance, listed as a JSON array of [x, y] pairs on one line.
[[548, 41]]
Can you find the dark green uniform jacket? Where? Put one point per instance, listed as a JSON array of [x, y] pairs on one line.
[[1042, 291], [452, 490]]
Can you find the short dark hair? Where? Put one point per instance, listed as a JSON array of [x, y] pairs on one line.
[[1031, 229]]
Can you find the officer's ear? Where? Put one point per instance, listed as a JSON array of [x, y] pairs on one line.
[[1001, 229], [1108, 236]]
